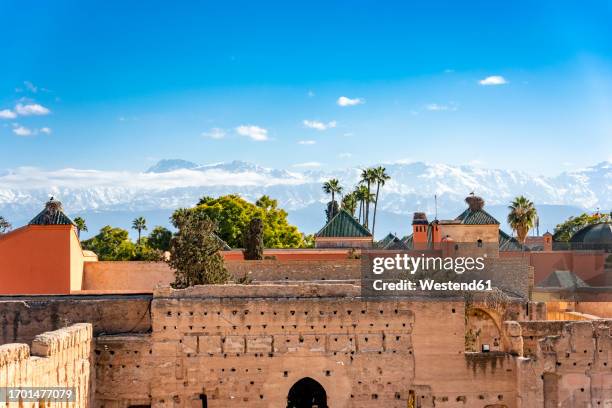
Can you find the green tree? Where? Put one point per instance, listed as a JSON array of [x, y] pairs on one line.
[[380, 177], [331, 210], [159, 238], [232, 215], [349, 203], [139, 224], [253, 242], [522, 217], [308, 240], [80, 225], [368, 177], [332, 187], [4, 225], [195, 251], [563, 232], [111, 244]]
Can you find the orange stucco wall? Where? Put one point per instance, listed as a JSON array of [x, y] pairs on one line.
[[588, 265], [37, 260]]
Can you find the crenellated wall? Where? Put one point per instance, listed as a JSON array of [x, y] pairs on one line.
[[61, 358]]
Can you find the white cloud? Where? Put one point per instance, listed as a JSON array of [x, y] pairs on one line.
[[493, 80], [307, 142], [31, 109], [46, 130], [30, 86], [437, 107], [345, 155], [21, 131], [214, 133], [7, 114], [131, 185], [254, 132], [312, 164], [345, 101], [315, 124]]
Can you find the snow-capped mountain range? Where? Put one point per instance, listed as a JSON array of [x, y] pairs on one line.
[[170, 184]]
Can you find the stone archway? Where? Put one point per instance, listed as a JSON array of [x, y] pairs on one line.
[[307, 393]]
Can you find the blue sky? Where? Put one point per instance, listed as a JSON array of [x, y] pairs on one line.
[[120, 85]]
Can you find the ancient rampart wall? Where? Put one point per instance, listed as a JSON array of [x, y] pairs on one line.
[[60, 358], [22, 318], [241, 346], [571, 364]]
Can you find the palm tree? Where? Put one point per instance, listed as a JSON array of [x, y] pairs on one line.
[[139, 224], [367, 177], [4, 225], [381, 178], [363, 196], [80, 225], [522, 217], [332, 187], [349, 203]]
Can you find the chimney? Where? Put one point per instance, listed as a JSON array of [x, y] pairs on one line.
[[419, 230], [548, 241]]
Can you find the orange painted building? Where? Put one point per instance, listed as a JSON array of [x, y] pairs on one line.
[[44, 257]]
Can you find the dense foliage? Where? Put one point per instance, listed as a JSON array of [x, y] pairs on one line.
[[195, 251], [114, 244], [160, 238], [232, 214], [565, 230]]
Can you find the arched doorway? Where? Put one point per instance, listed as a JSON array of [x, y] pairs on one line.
[[307, 393]]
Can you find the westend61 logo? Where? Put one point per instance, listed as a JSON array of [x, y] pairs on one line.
[[402, 273]]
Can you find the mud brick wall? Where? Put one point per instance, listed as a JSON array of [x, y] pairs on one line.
[[248, 345], [22, 318], [61, 358], [125, 365], [573, 368]]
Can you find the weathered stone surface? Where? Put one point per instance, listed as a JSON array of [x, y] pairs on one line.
[[62, 358]]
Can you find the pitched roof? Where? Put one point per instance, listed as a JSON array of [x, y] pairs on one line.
[[508, 243], [343, 225], [477, 217], [391, 241], [53, 214], [563, 279]]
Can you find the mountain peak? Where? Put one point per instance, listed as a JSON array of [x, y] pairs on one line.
[[166, 165]]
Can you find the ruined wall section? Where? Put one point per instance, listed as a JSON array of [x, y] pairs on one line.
[[22, 318], [61, 358], [570, 368]]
